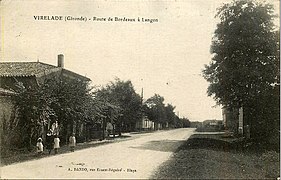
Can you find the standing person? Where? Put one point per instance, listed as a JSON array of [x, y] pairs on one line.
[[55, 128], [56, 144], [72, 142], [109, 128], [39, 146], [50, 141]]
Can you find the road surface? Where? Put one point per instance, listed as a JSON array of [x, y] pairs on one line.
[[136, 158]]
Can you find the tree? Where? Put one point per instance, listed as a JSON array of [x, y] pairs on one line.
[[170, 114], [121, 94], [72, 103], [156, 109], [69, 101], [245, 63], [29, 122], [185, 122]]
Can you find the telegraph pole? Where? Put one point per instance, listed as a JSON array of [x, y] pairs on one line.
[[141, 120]]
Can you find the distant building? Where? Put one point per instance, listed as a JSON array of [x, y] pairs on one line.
[[145, 124], [213, 122], [230, 119], [233, 120], [196, 124]]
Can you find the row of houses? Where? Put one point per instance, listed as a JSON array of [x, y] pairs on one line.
[[212, 125]]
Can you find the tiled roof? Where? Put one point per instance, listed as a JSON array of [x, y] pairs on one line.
[[27, 69], [24, 69]]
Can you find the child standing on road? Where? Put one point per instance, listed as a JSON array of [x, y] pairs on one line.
[[72, 142], [39, 146], [57, 144]]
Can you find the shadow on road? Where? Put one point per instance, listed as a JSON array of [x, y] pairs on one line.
[[163, 145], [218, 142], [212, 156]]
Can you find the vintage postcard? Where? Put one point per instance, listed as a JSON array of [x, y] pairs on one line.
[[168, 89]]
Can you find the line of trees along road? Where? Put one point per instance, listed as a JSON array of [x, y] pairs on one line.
[[131, 107], [244, 70], [76, 105]]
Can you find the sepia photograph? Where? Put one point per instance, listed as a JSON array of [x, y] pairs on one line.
[[145, 89]]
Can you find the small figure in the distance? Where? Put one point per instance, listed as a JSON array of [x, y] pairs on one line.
[[56, 144], [39, 146], [72, 142], [49, 141]]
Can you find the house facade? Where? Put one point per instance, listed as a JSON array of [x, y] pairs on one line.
[[233, 120], [145, 124], [17, 75]]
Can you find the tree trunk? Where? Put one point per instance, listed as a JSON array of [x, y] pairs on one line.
[[103, 129], [119, 129]]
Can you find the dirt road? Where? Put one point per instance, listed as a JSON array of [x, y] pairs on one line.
[[135, 158]]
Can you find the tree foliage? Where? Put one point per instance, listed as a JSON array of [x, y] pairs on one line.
[[244, 70], [156, 110], [245, 51], [170, 114], [73, 103], [69, 101], [122, 96]]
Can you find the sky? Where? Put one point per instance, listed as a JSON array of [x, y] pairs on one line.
[[165, 57]]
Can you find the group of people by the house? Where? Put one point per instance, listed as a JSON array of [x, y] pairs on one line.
[[53, 141]]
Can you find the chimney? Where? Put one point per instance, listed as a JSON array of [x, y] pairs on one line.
[[61, 60]]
